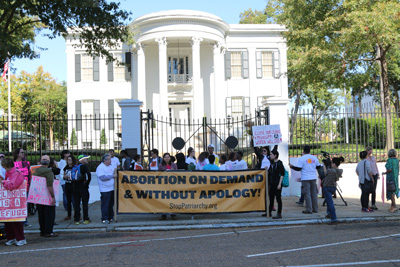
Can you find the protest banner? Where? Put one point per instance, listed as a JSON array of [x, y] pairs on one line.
[[13, 204], [38, 192], [265, 135], [190, 192]]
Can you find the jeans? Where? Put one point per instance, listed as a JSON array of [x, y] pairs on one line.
[[107, 205], [64, 197], [78, 195], [70, 200], [330, 207], [364, 197], [275, 192], [46, 216], [373, 194], [310, 191]]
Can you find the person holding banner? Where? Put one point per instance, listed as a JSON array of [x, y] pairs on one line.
[[12, 180], [155, 160], [2, 170], [167, 164], [24, 167], [47, 213], [275, 177], [105, 178]]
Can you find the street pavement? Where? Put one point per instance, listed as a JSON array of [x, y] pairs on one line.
[[292, 215]]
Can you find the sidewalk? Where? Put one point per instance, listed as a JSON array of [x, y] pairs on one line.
[[149, 222]]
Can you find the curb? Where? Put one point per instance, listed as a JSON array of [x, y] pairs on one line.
[[216, 225]]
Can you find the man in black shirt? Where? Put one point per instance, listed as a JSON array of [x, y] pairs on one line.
[[80, 191]]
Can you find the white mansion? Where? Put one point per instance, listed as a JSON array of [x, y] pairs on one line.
[[185, 64]]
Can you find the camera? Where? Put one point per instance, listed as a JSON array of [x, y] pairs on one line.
[[327, 161]]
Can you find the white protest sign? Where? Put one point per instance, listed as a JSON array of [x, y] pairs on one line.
[[265, 135]]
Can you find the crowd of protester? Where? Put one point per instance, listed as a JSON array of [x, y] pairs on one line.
[[75, 178]]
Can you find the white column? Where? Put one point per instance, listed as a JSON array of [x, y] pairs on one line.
[[198, 91], [217, 72], [141, 72], [130, 116], [163, 76]]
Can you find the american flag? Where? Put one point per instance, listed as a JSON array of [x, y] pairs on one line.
[[5, 71]]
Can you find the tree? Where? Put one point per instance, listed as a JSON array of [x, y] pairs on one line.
[[99, 25], [35, 94], [74, 139], [103, 137]]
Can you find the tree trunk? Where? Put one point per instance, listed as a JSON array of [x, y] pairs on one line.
[[51, 134], [294, 114], [386, 94]]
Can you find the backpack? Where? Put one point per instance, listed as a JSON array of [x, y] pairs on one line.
[[285, 180], [75, 174]]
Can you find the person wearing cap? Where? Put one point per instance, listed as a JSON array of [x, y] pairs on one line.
[[211, 152], [80, 191], [46, 213]]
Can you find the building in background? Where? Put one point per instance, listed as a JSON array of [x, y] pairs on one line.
[[184, 65]]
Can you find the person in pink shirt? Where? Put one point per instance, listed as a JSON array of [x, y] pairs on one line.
[[13, 180]]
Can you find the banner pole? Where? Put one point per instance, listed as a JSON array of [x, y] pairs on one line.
[[266, 194], [115, 196], [9, 108]]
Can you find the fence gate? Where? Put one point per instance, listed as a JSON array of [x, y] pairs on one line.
[[228, 134]]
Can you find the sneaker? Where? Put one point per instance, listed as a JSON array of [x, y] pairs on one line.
[[11, 242], [21, 242], [366, 210], [86, 222], [373, 207], [299, 203], [106, 221], [76, 223], [277, 216], [328, 216], [307, 212]]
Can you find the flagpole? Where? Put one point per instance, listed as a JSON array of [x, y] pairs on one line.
[[9, 108]]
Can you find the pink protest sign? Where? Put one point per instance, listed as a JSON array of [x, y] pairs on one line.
[[13, 204], [265, 135], [38, 192]]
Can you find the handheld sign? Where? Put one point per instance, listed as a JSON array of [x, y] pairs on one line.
[[265, 135]]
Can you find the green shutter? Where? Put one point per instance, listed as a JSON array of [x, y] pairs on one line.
[[77, 68], [245, 64], [110, 71], [277, 69], [259, 64], [96, 113], [78, 115], [111, 114], [228, 72], [96, 69], [128, 66]]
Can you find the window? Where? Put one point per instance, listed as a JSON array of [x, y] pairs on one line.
[[119, 69], [87, 145], [87, 108], [117, 145], [87, 68], [236, 64], [238, 107], [178, 69], [267, 65]]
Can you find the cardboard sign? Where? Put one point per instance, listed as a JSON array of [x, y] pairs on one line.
[[38, 192], [191, 192], [266, 135], [13, 204]]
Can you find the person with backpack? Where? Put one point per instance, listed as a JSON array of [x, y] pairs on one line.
[[80, 178], [106, 178], [136, 166]]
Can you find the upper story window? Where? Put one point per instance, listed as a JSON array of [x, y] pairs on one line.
[[267, 64], [178, 69], [87, 68], [119, 69], [236, 64]]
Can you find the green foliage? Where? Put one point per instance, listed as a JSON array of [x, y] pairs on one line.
[[103, 137], [101, 25], [74, 138], [252, 17]]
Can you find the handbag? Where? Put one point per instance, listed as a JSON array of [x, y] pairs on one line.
[[285, 180], [390, 185], [368, 184]]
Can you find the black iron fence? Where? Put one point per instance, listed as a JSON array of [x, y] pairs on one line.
[[344, 132], [160, 132], [39, 135]]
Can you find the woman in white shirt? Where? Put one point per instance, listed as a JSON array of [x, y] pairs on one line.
[[203, 161], [190, 158]]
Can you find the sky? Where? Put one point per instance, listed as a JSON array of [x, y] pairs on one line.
[[54, 58]]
